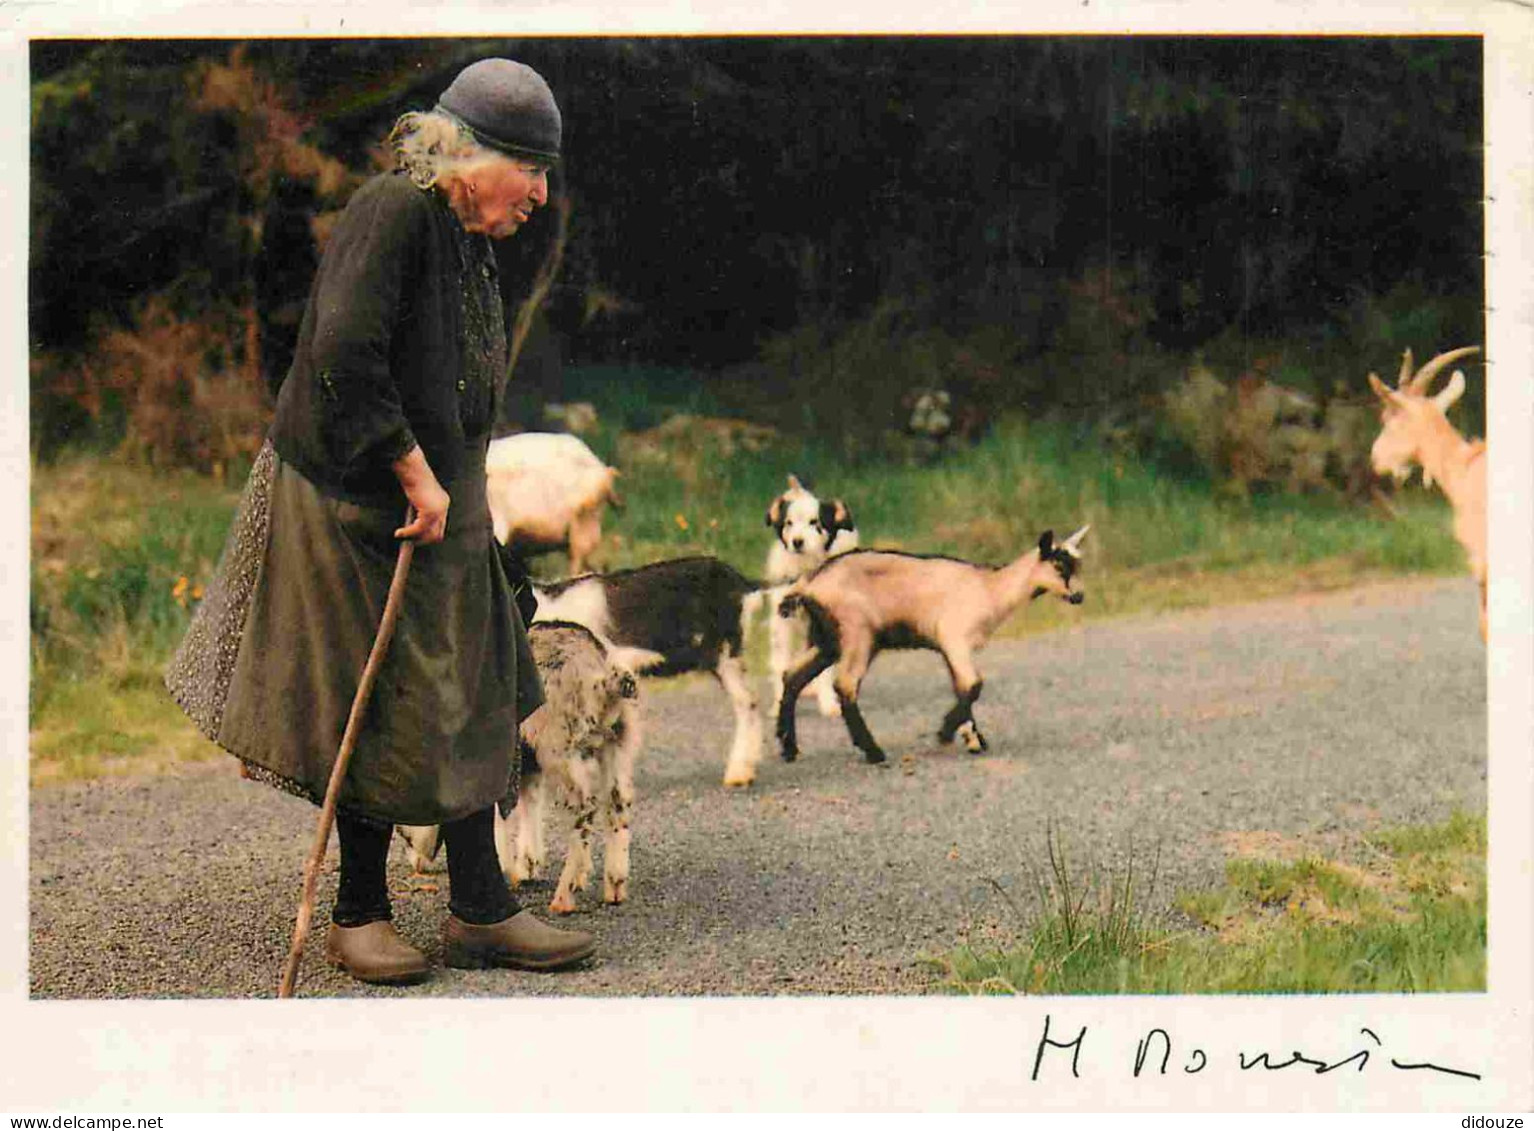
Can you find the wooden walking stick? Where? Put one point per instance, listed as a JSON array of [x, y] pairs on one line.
[[343, 756]]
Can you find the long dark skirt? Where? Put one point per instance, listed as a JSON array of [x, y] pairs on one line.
[[271, 662]]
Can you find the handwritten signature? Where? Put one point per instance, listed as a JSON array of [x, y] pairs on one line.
[[1195, 1060]]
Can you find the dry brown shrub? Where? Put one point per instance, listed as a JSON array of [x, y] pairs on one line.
[[271, 134], [1255, 432], [190, 403]]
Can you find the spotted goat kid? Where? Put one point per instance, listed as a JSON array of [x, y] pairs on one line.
[[866, 601], [581, 746]]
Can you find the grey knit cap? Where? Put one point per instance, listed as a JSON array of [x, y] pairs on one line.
[[507, 106]]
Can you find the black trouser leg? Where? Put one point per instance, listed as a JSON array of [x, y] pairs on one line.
[[363, 895], [478, 892]]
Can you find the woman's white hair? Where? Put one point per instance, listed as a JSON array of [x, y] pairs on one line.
[[429, 143]]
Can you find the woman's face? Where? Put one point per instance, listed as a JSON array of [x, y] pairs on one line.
[[496, 196]]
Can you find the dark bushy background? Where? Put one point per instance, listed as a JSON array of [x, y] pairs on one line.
[[810, 227]]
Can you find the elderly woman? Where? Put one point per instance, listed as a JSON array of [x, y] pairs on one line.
[[399, 365]]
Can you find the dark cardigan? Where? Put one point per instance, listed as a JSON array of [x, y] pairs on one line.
[[378, 367]]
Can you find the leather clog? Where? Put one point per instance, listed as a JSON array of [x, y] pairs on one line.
[[374, 952], [522, 942]]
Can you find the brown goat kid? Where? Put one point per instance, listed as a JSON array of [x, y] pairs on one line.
[[1416, 430], [866, 601]]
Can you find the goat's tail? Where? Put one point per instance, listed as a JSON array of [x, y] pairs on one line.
[[754, 599], [614, 499]]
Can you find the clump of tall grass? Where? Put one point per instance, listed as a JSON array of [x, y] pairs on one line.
[[1410, 918], [1087, 932]]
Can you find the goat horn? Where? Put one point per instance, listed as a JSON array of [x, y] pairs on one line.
[[1072, 543], [1424, 378], [1451, 392], [794, 484], [1382, 390], [1403, 379]]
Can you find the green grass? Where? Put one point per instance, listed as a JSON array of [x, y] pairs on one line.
[[120, 550], [990, 502], [118, 555], [1403, 910]]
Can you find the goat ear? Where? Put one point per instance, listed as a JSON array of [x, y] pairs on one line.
[[794, 484], [775, 512], [1046, 543], [1450, 392], [834, 515]]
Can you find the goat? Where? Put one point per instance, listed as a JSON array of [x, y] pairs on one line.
[[585, 745], [869, 600], [546, 492], [1415, 429], [670, 617], [582, 744], [807, 531]]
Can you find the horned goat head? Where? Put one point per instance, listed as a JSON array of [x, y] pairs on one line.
[[1403, 409]]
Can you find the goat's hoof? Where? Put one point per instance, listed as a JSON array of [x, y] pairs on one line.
[[563, 903], [615, 891], [736, 778], [789, 754], [976, 745], [874, 757]]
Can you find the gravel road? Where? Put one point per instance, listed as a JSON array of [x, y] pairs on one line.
[[1192, 733]]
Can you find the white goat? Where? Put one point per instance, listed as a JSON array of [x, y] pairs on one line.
[[1416, 430], [807, 531], [864, 602], [582, 744], [546, 492]]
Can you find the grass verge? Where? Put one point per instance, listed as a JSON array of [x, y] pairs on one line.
[[121, 551], [1400, 910]]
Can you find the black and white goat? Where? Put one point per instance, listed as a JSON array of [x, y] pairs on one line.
[[864, 602], [806, 531], [671, 617], [582, 746]]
